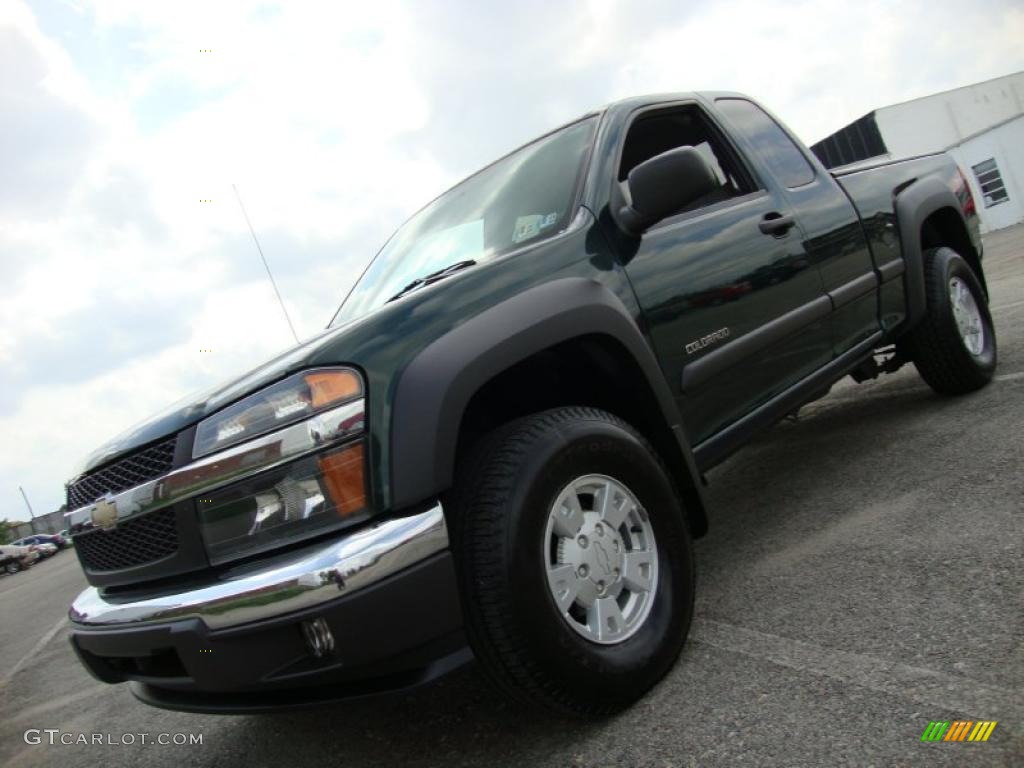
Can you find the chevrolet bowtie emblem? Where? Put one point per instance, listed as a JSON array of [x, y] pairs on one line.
[[104, 513]]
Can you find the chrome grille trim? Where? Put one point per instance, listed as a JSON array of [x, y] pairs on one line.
[[122, 474]]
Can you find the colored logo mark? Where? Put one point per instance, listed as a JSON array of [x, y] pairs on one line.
[[958, 730]]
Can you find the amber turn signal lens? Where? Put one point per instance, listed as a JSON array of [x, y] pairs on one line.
[[326, 387], [343, 476]]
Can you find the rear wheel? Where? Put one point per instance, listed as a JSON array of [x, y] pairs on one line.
[[575, 561], [954, 346]]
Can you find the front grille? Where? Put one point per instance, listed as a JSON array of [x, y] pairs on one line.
[[132, 470], [134, 542]]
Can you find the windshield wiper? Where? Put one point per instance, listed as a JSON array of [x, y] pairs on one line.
[[433, 277]]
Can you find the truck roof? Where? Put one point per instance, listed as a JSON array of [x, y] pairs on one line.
[[633, 102]]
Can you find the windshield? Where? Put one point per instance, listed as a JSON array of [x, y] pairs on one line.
[[521, 198]]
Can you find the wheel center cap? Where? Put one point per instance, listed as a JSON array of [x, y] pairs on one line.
[[602, 559], [597, 554]]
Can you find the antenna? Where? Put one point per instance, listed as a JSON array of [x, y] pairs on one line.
[[265, 265], [31, 514]]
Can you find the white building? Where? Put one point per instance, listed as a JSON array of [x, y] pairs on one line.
[[980, 125]]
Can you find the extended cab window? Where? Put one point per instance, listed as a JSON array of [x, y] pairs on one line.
[[524, 197], [658, 132], [782, 156]]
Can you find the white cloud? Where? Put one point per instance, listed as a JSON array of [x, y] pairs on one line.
[[335, 121]]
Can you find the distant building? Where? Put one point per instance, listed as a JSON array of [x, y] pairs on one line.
[[51, 522], [980, 125]]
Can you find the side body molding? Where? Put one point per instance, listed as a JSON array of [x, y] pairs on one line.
[[435, 388], [913, 205]]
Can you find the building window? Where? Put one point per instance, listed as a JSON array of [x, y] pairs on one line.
[[991, 183]]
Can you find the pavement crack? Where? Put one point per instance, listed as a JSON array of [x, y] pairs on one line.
[[894, 678]]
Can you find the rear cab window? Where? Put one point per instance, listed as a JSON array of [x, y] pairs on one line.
[[773, 145]]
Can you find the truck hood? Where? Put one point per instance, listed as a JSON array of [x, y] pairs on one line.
[[197, 406]]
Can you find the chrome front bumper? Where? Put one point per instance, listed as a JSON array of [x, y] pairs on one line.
[[301, 580]]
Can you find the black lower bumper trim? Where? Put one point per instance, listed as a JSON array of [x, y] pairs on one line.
[[253, 702], [394, 635]]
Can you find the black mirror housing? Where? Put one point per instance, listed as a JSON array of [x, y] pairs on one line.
[[659, 187]]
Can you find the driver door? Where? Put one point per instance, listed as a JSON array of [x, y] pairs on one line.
[[735, 310]]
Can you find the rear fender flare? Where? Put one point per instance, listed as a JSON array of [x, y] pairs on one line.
[[913, 205]]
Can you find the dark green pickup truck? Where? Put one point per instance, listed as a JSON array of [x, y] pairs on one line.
[[497, 449]]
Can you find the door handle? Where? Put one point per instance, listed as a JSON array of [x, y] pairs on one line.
[[776, 224]]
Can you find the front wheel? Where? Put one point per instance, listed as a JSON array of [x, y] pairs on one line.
[[12, 567], [575, 561], [954, 346]]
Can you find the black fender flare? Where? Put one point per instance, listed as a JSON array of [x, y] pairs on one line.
[[913, 204], [433, 391]]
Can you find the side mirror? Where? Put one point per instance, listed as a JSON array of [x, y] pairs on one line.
[[659, 187]]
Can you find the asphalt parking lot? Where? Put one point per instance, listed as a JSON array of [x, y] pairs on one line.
[[862, 577]]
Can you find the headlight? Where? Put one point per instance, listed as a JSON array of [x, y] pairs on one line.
[[313, 495], [291, 400]]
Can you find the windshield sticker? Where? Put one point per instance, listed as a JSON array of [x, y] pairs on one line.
[[526, 227], [530, 226]]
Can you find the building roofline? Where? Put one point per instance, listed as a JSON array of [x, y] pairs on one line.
[[842, 127], [950, 90], [976, 134]]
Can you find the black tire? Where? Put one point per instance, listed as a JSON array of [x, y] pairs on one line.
[[935, 344], [500, 507], [12, 567]]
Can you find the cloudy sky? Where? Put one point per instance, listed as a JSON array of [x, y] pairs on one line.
[[335, 121]]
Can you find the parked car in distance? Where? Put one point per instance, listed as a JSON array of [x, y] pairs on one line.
[[58, 540], [66, 535], [45, 547], [13, 557]]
